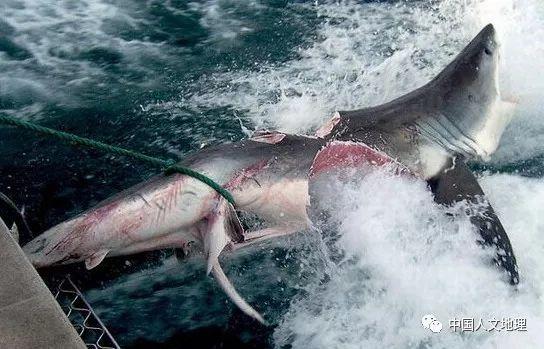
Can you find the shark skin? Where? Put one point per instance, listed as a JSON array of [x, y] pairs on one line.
[[267, 176], [458, 116], [422, 134]]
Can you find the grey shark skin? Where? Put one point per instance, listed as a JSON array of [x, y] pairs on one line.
[[266, 175], [270, 175], [459, 184], [432, 130], [459, 112]]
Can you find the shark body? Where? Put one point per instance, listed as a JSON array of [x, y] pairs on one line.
[[425, 133], [460, 115]]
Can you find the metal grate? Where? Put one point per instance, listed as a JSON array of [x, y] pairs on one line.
[[93, 332]]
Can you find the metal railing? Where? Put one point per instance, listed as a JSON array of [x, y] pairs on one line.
[[92, 331]]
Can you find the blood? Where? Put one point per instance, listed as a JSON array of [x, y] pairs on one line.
[[326, 129], [80, 230], [348, 154], [247, 173], [270, 138]]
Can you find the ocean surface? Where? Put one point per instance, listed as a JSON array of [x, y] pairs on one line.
[[169, 77]]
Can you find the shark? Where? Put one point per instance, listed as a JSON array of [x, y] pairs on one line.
[[434, 130], [428, 133]]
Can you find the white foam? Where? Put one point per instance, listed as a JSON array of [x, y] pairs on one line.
[[518, 201], [366, 54], [57, 33], [220, 18], [407, 258]]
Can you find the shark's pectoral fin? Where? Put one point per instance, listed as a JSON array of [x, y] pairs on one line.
[[224, 228], [458, 184], [94, 260], [233, 295]]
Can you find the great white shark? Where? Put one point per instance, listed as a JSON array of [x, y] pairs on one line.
[[427, 133], [459, 115]]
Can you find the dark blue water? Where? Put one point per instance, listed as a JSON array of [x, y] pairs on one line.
[[92, 76], [168, 77]]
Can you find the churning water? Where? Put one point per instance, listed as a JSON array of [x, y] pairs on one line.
[[167, 77]]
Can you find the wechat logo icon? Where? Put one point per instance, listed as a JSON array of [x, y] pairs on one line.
[[431, 323]]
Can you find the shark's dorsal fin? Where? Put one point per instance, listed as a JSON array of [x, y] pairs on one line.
[[460, 110]]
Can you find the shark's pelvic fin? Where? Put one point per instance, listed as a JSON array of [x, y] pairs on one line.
[[94, 260]]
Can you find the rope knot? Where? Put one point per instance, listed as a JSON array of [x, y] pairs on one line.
[[170, 167]]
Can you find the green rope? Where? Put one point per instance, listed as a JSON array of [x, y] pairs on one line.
[[169, 166]]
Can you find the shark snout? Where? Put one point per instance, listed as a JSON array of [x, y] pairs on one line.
[[488, 31], [488, 40]]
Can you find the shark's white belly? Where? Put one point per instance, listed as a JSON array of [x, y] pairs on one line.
[[280, 203]]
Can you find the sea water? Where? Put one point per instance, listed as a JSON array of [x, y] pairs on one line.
[[168, 77]]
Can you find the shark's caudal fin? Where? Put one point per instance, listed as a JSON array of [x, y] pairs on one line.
[[223, 228], [460, 110]]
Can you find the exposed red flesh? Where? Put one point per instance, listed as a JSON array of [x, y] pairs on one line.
[[348, 154]]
